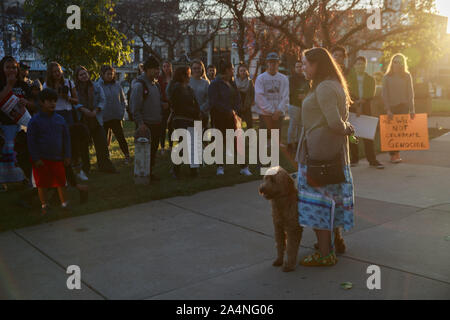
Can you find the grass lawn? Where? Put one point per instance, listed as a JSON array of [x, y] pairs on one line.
[[441, 107], [109, 191], [118, 190]]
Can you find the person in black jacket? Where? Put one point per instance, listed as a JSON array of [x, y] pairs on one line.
[[247, 92], [298, 89], [184, 106], [225, 104]]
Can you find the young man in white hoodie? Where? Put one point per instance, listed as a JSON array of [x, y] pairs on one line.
[[271, 95]]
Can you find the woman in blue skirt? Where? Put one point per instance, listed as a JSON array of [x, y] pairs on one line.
[[324, 139]]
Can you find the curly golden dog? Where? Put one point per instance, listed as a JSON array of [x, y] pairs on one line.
[[279, 188]]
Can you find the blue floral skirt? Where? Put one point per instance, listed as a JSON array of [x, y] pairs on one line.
[[326, 207], [9, 171]]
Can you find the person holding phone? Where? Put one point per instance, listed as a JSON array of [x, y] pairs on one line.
[[398, 93]]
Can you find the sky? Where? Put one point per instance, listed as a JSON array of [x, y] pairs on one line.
[[443, 6]]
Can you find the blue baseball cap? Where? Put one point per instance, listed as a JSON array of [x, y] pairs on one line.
[[272, 56]]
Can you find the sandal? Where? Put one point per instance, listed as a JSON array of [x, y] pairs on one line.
[[316, 260]]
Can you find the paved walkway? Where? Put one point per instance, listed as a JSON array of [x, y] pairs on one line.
[[439, 122], [219, 245]]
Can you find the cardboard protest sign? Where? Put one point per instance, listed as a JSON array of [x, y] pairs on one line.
[[10, 106], [365, 126], [402, 133]]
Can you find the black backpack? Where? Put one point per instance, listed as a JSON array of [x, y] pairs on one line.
[[145, 94]]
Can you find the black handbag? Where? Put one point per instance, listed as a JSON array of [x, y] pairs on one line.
[[320, 173]]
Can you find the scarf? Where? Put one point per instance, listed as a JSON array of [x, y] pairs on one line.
[[242, 85]]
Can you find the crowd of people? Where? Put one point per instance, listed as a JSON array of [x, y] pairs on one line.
[[70, 115]]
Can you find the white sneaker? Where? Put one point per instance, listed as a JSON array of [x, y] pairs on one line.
[[245, 171], [82, 176], [220, 171]]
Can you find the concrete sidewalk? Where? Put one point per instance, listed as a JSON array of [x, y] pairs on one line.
[[219, 244], [439, 122]]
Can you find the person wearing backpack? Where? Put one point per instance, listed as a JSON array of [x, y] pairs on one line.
[[146, 107]]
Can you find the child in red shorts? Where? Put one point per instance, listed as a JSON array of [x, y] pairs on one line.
[[49, 145]]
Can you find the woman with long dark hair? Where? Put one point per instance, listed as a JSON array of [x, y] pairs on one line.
[[11, 87], [164, 78], [247, 92], [225, 103], [185, 107], [92, 98], [325, 196], [398, 93]]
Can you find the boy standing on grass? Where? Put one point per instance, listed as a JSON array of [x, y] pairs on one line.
[[49, 145]]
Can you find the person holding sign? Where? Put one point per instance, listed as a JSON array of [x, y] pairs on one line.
[[14, 99], [362, 90], [184, 105], [398, 93]]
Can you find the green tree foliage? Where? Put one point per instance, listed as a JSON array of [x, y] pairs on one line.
[[422, 47], [97, 42]]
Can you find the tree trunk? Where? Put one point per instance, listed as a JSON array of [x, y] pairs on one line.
[[241, 41], [171, 52]]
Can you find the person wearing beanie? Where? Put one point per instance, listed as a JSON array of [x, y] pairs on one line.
[[146, 106]]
